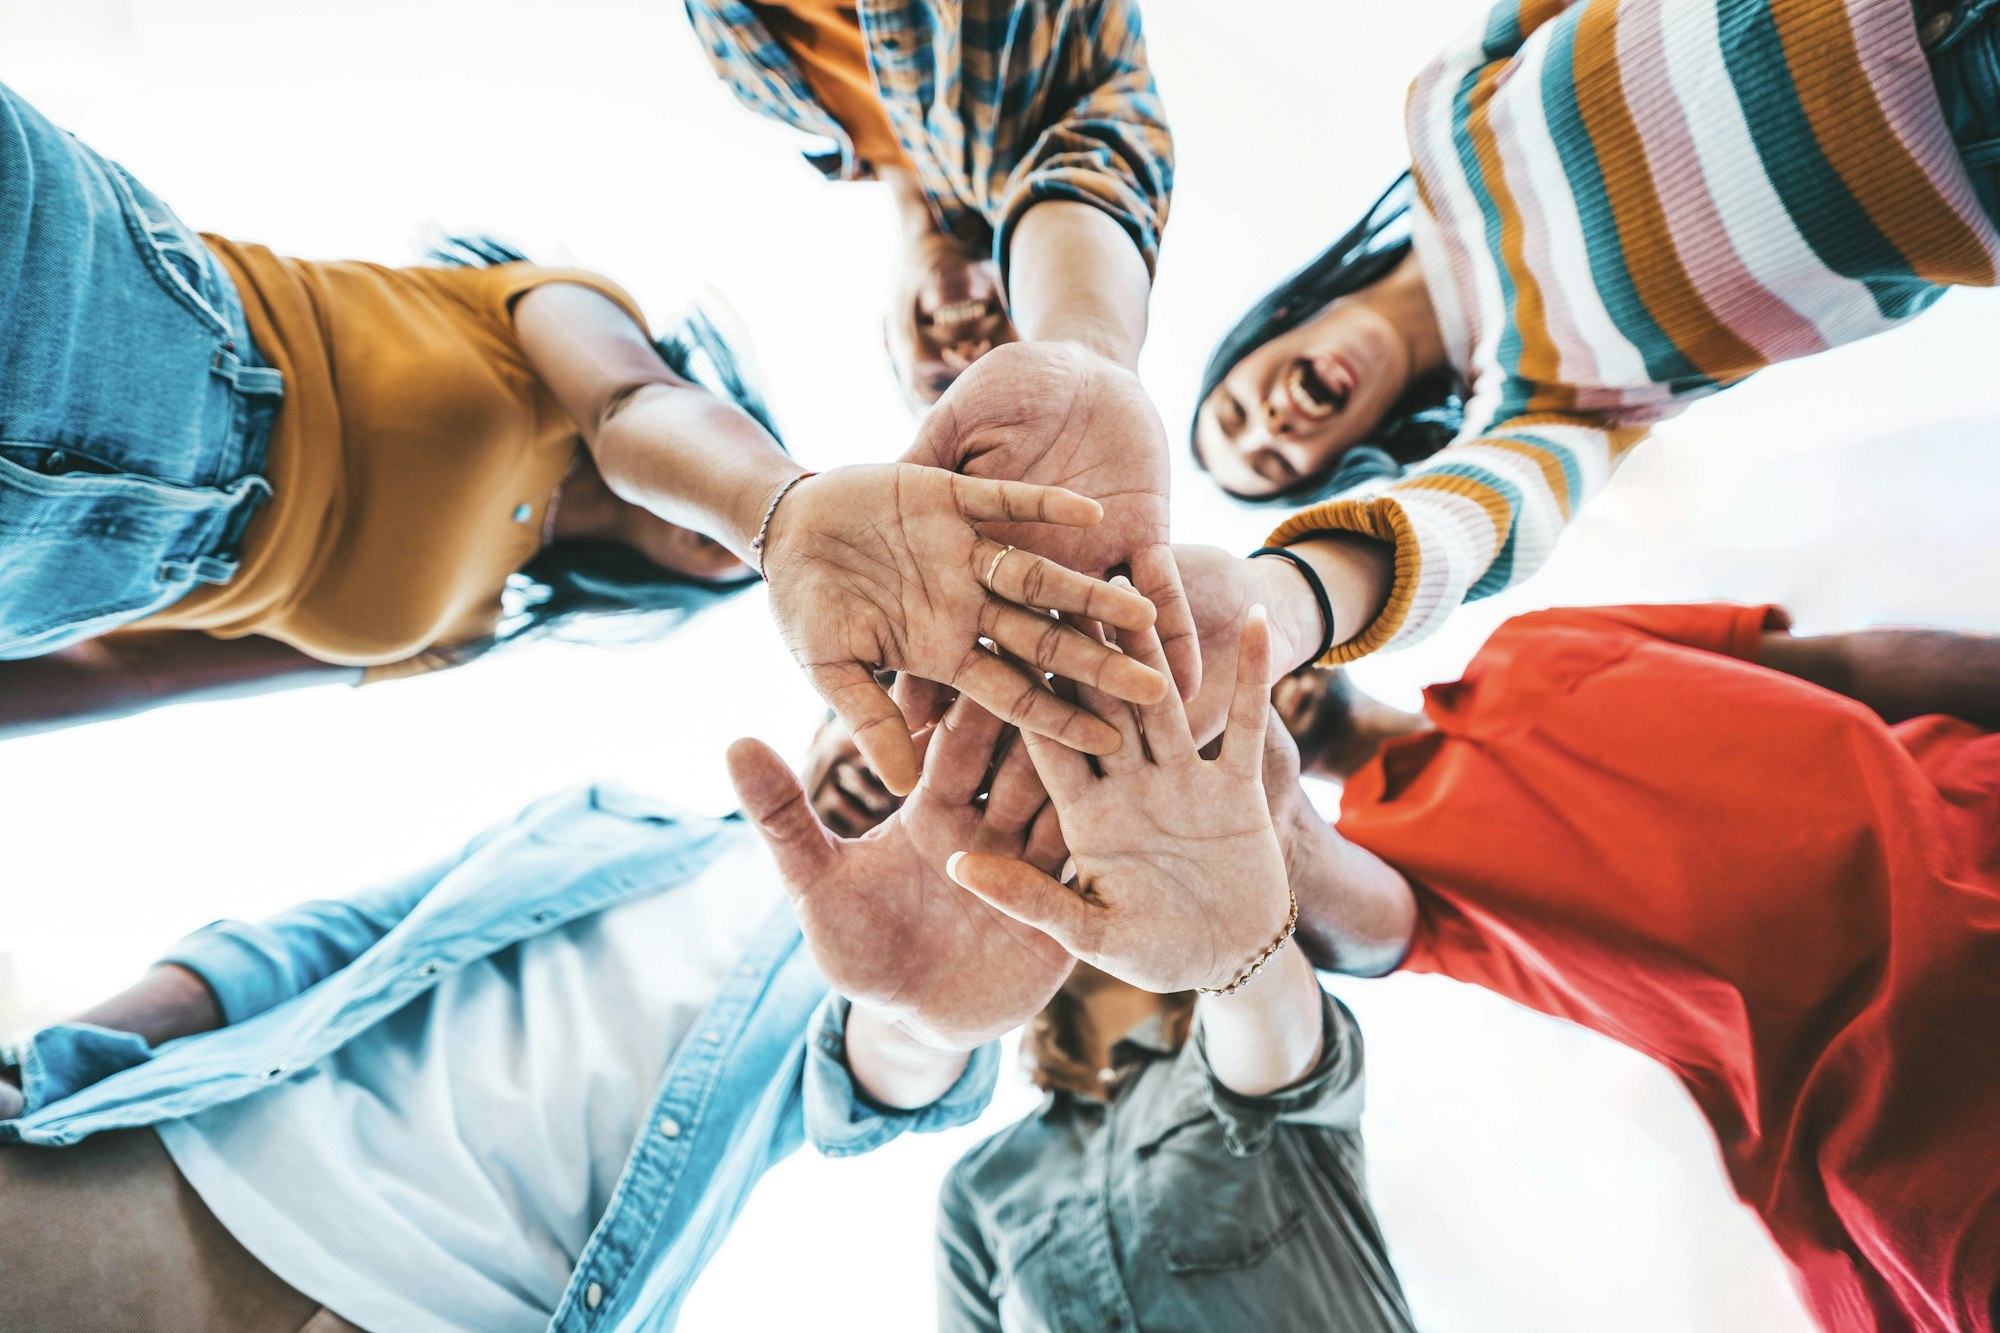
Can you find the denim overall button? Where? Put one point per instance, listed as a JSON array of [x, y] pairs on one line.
[[669, 1128], [1934, 28]]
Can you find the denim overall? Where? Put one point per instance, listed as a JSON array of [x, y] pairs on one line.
[[134, 409], [1962, 39]]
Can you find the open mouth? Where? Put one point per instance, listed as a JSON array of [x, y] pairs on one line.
[[1318, 389], [957, 313]]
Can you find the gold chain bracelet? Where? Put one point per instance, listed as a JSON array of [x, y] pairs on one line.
[[1243, 978]]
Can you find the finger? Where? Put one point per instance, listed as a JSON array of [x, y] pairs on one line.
[[922, 701], [1047, 644], [1165, 720], [1016, 794], [1036, 581], [1047, 849], [1122, 716], [1250, 705], [1065, 774], [1024, 702], [961, 752], [983, 500], [777, 808], [1029, 896], [871, 718], [1157, 575]]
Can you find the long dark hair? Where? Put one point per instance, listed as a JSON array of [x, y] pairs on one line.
[[604, 592], [1420, 423]]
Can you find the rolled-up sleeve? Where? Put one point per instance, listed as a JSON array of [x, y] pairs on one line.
[[842, 1122], [1110, 148], [1328, 1097], [1479, 516]]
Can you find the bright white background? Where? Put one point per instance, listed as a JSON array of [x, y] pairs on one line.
[[1530, 1176]]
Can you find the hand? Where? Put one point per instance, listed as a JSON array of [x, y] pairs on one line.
[[1056, 415], [886, 927], [881, 567], [1221, 589], [1180, 879]]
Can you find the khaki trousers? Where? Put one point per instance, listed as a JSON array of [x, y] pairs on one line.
[[106, 1237]]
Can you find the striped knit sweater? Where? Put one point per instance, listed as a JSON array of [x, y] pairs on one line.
[[1625, 205]]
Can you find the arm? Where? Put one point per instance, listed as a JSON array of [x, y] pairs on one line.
[[118, 675], [1900, 673], [1479, 516], [1265, 1037], [1078, 280], [895, 1068], [167, 1003], [868, 567], [965, 1268]]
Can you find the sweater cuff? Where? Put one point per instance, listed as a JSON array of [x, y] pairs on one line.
[[1382, 518]]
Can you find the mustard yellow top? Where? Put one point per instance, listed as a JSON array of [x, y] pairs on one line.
[[411, 463], [824, 39]]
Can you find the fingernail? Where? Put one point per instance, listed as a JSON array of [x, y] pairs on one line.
[[1257, 612], [1120, 581], [951, 867]]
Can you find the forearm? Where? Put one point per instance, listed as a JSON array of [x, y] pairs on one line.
[[664, 444], [107, 678], [167, 1003], [894, 1069], [1356, 911], [1074, 276], [1267, 1036], [1900, 673]]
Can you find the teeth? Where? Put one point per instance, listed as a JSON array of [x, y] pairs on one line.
[[1302, 395], [959, 312]]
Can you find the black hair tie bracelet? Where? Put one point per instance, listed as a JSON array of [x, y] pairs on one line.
[[1312, 579]]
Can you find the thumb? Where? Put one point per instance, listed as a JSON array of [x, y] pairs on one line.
[[778, 810], [1027, 895]]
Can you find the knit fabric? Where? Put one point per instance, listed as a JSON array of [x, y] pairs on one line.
[[1626, 205]]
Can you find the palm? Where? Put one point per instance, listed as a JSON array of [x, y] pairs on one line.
[[890, 931], [875, 567], [886, 927], [1055, 416], [1185, 861]]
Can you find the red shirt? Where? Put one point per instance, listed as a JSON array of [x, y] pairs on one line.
[[1621, 821]]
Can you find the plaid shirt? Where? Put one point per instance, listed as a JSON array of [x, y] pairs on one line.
[[1000, 104]]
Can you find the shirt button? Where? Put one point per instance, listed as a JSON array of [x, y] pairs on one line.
[[521, 513], [670, 1128], [429, 969], [275, 1072], [712, 1037], [593, 1295], [1934, 28]]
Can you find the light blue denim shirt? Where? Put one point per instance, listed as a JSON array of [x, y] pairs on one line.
[[299, 986]]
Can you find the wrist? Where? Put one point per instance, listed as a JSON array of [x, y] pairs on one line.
[[1297, 623], [773, 524]]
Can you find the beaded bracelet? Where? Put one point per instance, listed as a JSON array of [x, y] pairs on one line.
[[770, 511], [1313, 582], [1243, 978]]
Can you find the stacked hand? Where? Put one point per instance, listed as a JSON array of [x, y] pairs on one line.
[[886, 927], [881, 566], [1180, 880], [1055, 415]]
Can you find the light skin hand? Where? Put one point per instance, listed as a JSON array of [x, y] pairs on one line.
[[933, 973], [881, 566], [1180, 881], [1065, 408]]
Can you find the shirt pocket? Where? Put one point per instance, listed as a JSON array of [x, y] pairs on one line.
[[1032, 1289], [84, 548], [1206, 1210]]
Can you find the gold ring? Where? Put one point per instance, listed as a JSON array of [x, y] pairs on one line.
[[994, 567]]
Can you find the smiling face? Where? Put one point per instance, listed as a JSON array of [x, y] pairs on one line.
[[951, 312], [1288, 410]]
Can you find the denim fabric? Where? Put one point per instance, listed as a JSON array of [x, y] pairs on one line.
[[304, 983], [1965, 61], [134, 409]]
